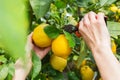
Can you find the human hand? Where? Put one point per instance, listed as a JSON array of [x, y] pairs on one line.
[[23, 67], [94, 31], [40, 52]]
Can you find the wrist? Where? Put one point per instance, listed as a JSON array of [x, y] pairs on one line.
[[101, 49], [19, 75]]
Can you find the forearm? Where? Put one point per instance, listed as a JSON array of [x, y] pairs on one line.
[[19, 75], [108, 65]]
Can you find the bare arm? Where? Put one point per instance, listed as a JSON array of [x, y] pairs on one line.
[[94, 31], [23, 67]]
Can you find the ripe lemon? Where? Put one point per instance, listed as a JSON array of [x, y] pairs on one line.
[[118, 10], [58, 63], [86, 72], [60, 46], [39, 37], [114, 8]]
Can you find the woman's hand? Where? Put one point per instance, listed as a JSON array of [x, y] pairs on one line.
[[23, 67], [94, 31]]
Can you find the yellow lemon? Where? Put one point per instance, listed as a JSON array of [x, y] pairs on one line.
[[113, 46], [58, 63], [60, 46], [86, 72], [114, 8], [39, 37], [118, 10]]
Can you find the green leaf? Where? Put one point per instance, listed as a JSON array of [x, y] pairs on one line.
[[60, 4], [72, 76], [106, 2], [36, 65], [11, 68], [114, 28], [13, 26], [51, 31], [82, 54], [40, 7], [3, 72], [110, 2], [70, 39], [102, 2], [3, 59]]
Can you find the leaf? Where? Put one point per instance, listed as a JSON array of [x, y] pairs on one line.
[[13, 26], [72, 76], [60, 4], [3, 72], [102, 2], [51, 31], [40, 7], [36, 65], [82, 54], [114, 28], [11, 68], [3, 59], [110, 2], [106, 2], [70, 39]]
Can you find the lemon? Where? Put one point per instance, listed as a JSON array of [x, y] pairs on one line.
[[113, 46], [118, 10], [86, 72], [114, 8], [60, 46], [82, 9], [39, 37], [58, 63]]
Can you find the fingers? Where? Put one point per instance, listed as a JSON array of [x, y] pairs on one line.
[[92, 17], [100, 17], [80, 25], [41, 52], [46, 50], [29, 44], [86, 20]]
